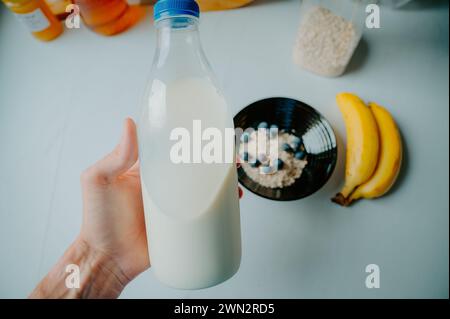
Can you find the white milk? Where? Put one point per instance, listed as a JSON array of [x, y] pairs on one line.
[[191, 210]]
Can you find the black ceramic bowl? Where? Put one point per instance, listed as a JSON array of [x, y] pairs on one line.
[[318, 138]]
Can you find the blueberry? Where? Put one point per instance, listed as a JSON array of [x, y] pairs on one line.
[[280, 164], [245, 156], [300, 155], [266, 169], [255, 164], [286, 147], [245, 137], [263, 125]]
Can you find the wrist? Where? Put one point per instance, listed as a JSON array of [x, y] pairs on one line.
[[99, 275]]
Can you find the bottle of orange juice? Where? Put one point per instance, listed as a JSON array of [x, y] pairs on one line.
[[36, 15], [109, 17], [208, 5], [58, 8]]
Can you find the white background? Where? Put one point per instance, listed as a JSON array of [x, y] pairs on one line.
[[61, 108]]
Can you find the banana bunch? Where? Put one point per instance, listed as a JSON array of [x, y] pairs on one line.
[[374, 150]]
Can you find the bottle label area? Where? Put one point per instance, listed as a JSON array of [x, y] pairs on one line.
[[35, 21]]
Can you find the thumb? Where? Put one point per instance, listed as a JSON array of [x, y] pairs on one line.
[[121, 159]]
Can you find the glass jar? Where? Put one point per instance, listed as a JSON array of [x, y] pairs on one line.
[[328, 35]]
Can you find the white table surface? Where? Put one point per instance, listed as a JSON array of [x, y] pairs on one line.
[[61, 108]]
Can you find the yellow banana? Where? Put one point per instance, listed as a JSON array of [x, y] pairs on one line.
[[390, 158], [362, 144]]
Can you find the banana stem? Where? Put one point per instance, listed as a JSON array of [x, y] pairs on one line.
[[340, 199]]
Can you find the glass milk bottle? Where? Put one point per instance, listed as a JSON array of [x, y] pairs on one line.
[[190, 199]]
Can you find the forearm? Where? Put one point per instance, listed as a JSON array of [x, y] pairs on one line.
[[100, 277]]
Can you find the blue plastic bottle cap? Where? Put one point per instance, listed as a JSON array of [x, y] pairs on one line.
[[169, 8]]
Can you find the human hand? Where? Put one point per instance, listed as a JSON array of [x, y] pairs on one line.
[[113, 213]]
